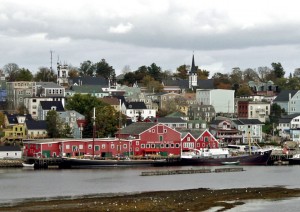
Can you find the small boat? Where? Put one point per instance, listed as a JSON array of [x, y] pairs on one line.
[[27, 165], [230, 163]]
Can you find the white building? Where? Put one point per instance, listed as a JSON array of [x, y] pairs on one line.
[[136, 109], [10, 152], [222, 100]]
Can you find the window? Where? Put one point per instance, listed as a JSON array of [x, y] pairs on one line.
[[97, 148], [103, 146], [177, 145], [49, 145], [161, 138], [143, 146], [147, 145], [90, 146], [112, 146], [188, 139], [80, 146], [172, 145], [125, 146]]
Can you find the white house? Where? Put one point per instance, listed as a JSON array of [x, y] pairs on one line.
[[286, 123], [222, 100], [10, 152], [136, 109]]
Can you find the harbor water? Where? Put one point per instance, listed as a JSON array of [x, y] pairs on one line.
[[19, 184]]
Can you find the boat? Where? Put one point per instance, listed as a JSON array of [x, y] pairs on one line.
[[218, 157], [295, 160], [27, 165], [231, 163], [94, 163]]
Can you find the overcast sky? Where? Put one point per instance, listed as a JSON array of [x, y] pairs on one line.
[[221, 34]]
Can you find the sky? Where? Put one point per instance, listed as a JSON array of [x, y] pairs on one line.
[[222, 34]]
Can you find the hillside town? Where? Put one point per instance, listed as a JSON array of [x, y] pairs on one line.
[[103, 115]]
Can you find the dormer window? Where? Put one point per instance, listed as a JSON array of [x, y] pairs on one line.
[[53, 108]]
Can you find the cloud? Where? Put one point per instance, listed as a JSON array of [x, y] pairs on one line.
[[121, 28]]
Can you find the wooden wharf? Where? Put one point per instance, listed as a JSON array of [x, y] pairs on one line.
[[190, 171], [43, 163]]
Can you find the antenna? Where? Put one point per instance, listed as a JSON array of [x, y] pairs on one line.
[[51, 60]]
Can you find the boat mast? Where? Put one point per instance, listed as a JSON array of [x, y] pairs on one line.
[[94, 126], [249, 138]]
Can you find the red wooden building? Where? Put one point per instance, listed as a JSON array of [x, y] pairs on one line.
[[137, 139], [198, 139]]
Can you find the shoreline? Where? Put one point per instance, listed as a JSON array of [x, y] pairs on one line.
[[180, 200]]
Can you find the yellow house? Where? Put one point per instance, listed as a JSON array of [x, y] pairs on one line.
[[16, 132]]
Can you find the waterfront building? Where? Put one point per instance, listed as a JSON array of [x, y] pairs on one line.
[[10, 152]]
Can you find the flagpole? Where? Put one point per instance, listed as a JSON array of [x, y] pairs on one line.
[[94, 126]]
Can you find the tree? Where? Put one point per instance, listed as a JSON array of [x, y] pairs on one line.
[[152, 85], [155, 71], [243, 90], [202, 74], [278, 70], [250, 75], [221, 81], [11, 70], [73, 72], [264, 73], [236, 76], [129, 78], [105, 70], [54, 124], [83, 103], [45, 75], [106, 121], [22, 109], [87, 68], [182, 72], [23, 75], [2, 119]]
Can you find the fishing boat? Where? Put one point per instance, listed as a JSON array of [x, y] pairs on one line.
[[217, 157]]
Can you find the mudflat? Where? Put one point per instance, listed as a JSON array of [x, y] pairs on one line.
[[183, 200]]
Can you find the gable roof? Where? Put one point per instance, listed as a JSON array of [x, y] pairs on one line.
[[137, 128], [9, 148], [88, 80], [167, 120], [247, 122], [87, 89], [13, 118], [36, 125], [195, 133], [135, 105], [283, 96], [288, 118], [47, 105]]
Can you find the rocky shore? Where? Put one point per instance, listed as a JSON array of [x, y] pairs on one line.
[[186, 200], [11, 163]]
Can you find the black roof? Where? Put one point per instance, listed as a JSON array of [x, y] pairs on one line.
[[36, 125], [137, 128], [247, 121], [88, 80], [167, 120], [47, 105], [9, 148], [283, 96], [288, 118], [136, 105], [12, 118]]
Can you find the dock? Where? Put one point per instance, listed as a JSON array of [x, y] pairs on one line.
[[190, 171], [44, 163]]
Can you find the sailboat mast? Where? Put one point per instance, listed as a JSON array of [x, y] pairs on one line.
[[94, 126]]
